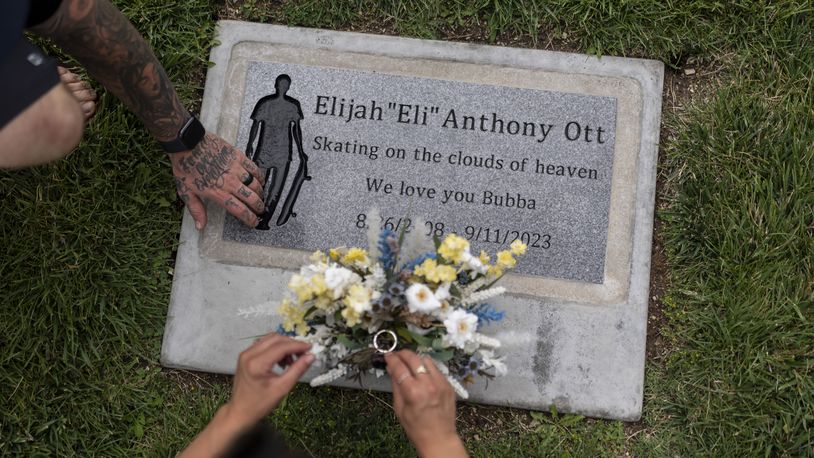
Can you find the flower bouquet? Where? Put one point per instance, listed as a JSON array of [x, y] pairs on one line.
[[407, 291]]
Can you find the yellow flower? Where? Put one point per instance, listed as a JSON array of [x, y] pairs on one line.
[[318, 286], [351, 316], [293, 318], [505, 259], [356, 255], [334, 254], [302, 329], [323, 302], [318, 256], [518, 248], [495, 271], [434, 273], [301, 287], [484, 258], [453, 248], [358, 298]]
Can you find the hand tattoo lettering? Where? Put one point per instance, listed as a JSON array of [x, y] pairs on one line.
[[211, 168]]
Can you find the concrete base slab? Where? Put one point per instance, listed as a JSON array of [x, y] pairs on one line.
[[577, 346]]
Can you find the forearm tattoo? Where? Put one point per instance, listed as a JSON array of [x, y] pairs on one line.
[[114, 52]]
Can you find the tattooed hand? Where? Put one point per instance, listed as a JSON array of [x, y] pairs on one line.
[[113, 51], [215, 171]]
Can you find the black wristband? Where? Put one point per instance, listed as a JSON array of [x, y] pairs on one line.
[[188, 137]]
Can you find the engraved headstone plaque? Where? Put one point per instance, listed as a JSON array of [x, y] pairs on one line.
[[495, 144], [490, 163]]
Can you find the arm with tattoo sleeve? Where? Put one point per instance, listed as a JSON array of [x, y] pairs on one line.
[[112, 50]]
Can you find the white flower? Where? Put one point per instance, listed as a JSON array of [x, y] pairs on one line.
[[264, 309], [377, 278], [443, 311], [459, 389], [317, 349], [419, 331], [474, 263], [321, 332], [421, 299], [310, 270], [486, 341], [330, 376], [482, 296], [489, 359], [338, 351], [358, 298], [338, 278], [461, 327], [442, 292]]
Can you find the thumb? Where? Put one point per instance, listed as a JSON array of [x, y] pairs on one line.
[[289, 378], [197, 210]]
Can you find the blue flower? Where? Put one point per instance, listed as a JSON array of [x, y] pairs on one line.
[[283, 332], [419, 260], [388, 248], [473, 366], [486, 313], [384, 303], [396, 289]]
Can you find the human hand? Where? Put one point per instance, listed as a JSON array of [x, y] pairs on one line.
[[256, 389], [215, 170], [424, 403]]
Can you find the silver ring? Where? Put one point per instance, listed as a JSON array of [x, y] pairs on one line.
[[403, 378], [248, 181], [376, 341], [422, 369]]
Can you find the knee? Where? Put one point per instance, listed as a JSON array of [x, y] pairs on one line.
[[46, 131], [63, 130]]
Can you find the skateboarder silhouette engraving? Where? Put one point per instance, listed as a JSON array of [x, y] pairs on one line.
[[276, 126]]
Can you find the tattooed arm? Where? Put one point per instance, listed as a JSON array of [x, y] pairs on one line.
[[112, 50]]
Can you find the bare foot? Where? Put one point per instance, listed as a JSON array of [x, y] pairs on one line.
[[81, 90]]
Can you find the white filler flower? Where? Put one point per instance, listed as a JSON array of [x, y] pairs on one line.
[[461, 327], [489, 359], [442, 292], [338, 278], [421, 299]]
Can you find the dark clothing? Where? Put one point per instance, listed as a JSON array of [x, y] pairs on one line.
[[26, 74], [277, 115], [274, 145], [261, 441], [41, 11], [13, 14]]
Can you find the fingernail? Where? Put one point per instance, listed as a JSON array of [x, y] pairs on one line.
[[309, 358], [198, 225]]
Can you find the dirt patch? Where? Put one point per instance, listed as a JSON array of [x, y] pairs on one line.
[[480, 422], [194, 380]]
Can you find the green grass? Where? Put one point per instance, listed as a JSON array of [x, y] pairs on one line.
[[85, 271]]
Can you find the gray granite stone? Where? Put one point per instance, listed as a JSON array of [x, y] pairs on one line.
[[556, 200], [575, 330]]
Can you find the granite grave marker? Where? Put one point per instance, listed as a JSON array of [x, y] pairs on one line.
[[557, 150]]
